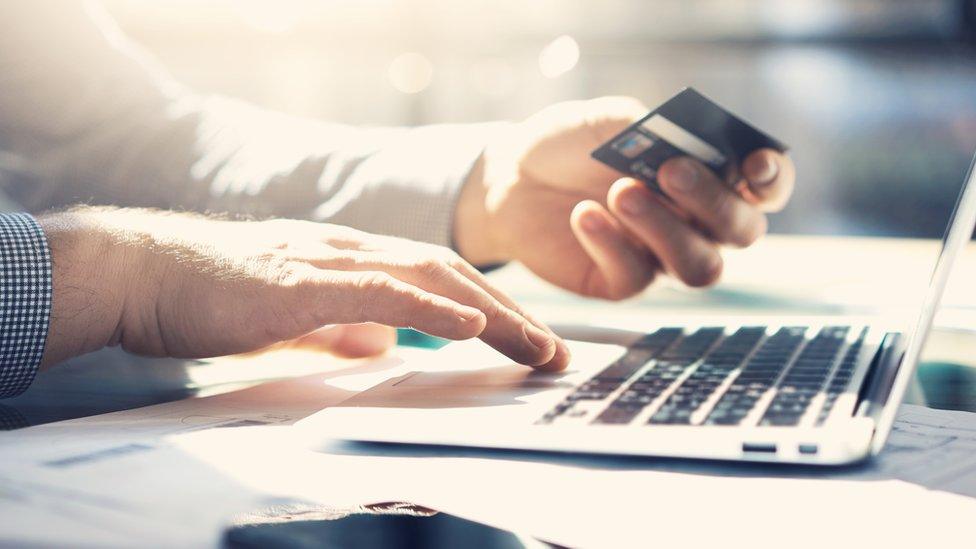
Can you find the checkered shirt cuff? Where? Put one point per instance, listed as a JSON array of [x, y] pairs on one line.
[[25, 301]]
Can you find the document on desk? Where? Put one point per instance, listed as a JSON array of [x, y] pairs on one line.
[[932, 448], [132, 475], [922, 490], [60, 482]]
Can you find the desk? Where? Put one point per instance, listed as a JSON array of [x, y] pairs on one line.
[[774, 277]]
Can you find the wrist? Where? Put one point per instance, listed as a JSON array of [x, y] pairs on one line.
[[482, 235], [86, 301], [473, 231]]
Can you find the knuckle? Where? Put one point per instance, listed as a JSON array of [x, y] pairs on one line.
[[281, 271], [433, 269], [495, 312], [372, 289], [723, 203], [374, 282], [453, 259]]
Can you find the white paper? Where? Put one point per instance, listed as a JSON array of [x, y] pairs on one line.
[[605, 502], [165, 476]]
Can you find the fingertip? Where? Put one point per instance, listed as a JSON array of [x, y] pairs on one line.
[[472, 322], [621, 186], [587, 216], [559, 361], [543, 344], [761, 167], [706, 274], [628, 196]]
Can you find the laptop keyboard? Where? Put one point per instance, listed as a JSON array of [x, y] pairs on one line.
[[710, 378]]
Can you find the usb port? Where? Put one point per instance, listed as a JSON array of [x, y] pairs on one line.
[[808, 449], [763, 447]]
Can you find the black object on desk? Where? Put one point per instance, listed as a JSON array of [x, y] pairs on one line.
[[372, 530]]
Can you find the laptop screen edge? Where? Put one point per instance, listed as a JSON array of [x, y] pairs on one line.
[[958, 233]]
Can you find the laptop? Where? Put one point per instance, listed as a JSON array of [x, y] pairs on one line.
[[823, 392]]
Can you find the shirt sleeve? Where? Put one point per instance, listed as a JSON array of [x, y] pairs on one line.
[[25, 301], [92, 119]]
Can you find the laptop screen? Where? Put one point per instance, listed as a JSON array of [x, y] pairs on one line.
[[958, 233]]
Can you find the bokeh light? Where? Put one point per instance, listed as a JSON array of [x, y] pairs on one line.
[[559, 56], [411, 72]]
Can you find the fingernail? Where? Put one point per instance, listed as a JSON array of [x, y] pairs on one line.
[[765, 173], [467, 314], [537, 337], [593, 222], [684, 175], [634, 202]]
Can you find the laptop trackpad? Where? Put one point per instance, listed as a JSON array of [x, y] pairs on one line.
[[502, 376], [503, 385]]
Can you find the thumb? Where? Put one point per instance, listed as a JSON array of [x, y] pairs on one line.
[[349, 340]]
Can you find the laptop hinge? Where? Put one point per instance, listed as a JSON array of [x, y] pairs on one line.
[[881, 375]]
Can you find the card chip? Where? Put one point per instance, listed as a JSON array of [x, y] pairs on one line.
[[632, 144]]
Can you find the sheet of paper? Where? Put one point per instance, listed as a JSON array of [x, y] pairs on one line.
[[599, 502], [176, 474], [115, 479]]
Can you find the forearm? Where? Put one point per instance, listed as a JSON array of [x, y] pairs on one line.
[[128, 135]]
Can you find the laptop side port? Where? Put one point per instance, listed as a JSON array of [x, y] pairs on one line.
[[808, 449], [761, 447]]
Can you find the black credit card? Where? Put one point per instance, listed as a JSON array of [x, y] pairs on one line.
[[688, 124]]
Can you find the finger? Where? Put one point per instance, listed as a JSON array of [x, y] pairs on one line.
[[506, 330], [620, 268], [683, 251], [340, 297], [560, 359], [350, 340], [770, 176], [724, 214]]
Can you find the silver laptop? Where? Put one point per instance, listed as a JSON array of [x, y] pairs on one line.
[[819, 393]]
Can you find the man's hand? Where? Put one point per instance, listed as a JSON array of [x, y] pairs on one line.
[[188, 286], [538, 197]]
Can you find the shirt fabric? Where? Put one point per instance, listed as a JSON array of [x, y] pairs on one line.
[[25, 301], [86, 117]]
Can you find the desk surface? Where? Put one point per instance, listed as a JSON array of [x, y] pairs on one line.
[[783, 275]]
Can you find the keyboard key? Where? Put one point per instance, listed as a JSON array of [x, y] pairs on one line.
[[708, 377], [757, 376], [627, 365], [805, 377], [618, 373], [642, 392], [842, 377]]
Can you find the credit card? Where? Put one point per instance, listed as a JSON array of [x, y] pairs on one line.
[[688, 124]]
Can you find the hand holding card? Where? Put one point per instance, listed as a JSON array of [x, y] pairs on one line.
[[688, 124], [538, 196]]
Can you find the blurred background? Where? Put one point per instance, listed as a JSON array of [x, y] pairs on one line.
[[876, 97]]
